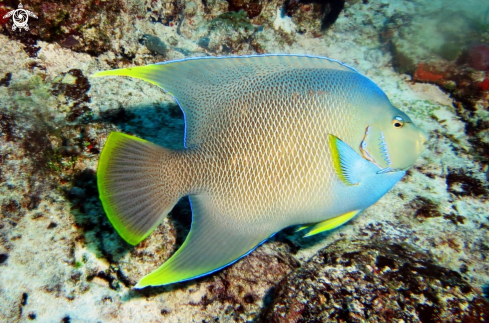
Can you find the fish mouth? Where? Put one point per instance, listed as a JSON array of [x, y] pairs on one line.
[[384, 151], [422, 142]]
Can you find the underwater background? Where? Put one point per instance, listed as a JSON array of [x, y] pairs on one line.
[[420, 254]]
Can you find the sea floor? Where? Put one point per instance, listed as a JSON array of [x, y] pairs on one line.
[[422, 249]]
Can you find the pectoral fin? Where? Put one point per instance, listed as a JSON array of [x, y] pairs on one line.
[[330, 224], [215, 241], [350, 167]]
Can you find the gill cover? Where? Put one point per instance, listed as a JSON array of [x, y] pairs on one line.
[[392, 141]]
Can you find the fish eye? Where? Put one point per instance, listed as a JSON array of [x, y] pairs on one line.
[[398, 122]]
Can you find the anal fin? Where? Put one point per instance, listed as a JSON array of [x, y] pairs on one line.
[[215, 241], [330, 224]]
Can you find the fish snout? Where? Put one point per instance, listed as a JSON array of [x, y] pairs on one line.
[[422, 141]]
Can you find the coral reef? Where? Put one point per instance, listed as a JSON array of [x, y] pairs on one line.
[[229, 32], [87, 26], [251, 7], [478, 57], [314, 16], [417, 254], [354, 281]]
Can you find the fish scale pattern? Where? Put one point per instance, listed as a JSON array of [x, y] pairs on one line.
[[271, 163], [257, 133], [257, 156], [203, 86]]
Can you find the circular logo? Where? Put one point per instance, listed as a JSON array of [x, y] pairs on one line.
[[20, 17]]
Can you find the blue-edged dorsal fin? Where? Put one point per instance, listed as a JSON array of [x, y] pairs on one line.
[[330, 224], [207, 87], [350, 167], [214, 241]]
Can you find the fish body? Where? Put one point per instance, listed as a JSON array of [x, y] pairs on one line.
[[270, 142]]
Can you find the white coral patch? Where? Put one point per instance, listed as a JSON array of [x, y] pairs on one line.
[[283, 21]]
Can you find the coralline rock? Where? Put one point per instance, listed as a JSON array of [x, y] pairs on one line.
[[422, 34], [313, 16], [167, 12], [229, 32], [358, 281], [87, 26], [54, 121], [252, 7], [479, 57]]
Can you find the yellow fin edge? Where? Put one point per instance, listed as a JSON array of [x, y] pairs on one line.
[[333, 144], [114, 140], [330, 224], [304, 227], [140, 72]]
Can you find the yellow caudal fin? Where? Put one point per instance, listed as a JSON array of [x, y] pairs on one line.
[[330, 224], [135, 193], [214, 242]]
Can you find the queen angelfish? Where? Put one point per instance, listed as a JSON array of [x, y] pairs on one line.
[[270, 142]]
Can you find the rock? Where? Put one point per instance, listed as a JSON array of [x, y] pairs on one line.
[[5, 81], [479, 57], [62, 22], [252, 7], [228, 32], [190, 9], [58, 247], [314, 16], [358, 281]]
